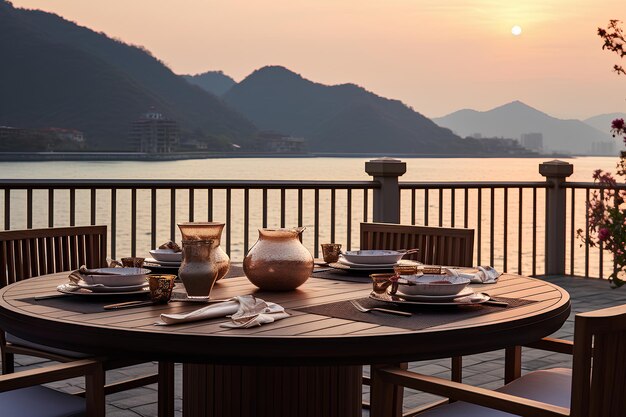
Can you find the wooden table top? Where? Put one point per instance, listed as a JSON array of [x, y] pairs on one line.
[[303, 338]]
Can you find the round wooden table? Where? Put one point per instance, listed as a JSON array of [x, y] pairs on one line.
[[307, 364]]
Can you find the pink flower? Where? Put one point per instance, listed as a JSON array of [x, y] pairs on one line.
[[617, 124], [604, 234]]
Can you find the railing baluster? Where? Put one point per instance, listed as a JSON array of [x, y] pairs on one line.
[[333, 198], [349, 220], [29, 208], [51, 207], [365, 204], [413, 208], [520, 230], [7, 209], [210, 204], [283, 198], [300, 200], [479, 225], [466, 209], [93, 207], [153, 218], [229, 231], [572, 231], [601, 247], [133, 222], [246, 220], [534, 232], [440, 207], [173, 214], [114, 222], [506, 229], [492, 226], [191, 204], [426, 207], [264, 207], [72, 207], [316, 224], [452, 206], [587, 232]]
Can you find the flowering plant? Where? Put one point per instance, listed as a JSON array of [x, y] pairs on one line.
[[607, 205]]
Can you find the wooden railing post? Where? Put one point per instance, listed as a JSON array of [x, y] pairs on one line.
[[386, 198], [556, 173]]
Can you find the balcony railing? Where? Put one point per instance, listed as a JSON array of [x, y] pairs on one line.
[[523, 227]]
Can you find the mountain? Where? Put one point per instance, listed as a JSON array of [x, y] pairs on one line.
[[215, 82], [57, 73], [513, 119], [338, 118], [602, 122]]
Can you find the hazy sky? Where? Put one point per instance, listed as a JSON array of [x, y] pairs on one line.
[[437, 56]]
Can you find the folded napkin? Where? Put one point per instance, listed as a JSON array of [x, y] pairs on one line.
[[171, 245], [245, 311], [485, 275]]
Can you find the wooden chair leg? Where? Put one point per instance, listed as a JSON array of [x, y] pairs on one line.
[[385, 398], [512, 363], [166, 389], [8, 363], [457, 369], [94, 392]]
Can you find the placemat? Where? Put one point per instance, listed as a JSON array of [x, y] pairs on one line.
[[423, 316], [339, 275]]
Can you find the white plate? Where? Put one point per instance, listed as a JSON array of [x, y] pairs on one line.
[[366, 268], [166, 255], [163, 263], [344, 261], [461, 301], [105, 289], [373, 256], [83, 291], [464, 293]]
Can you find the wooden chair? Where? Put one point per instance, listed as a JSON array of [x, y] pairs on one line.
[[29, 253], [22, 396], [437, 246], [594, 387]]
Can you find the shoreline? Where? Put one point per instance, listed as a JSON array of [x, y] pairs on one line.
[[175, 156]]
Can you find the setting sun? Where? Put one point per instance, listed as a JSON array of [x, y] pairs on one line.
[[516, 30]]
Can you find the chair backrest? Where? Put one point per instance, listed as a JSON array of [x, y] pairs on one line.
[[33, 252], [599, 371], [437, 245]]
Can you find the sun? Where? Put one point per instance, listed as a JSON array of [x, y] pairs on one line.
[[516, 30]]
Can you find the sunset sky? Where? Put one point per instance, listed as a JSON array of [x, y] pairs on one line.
[[437, 56]]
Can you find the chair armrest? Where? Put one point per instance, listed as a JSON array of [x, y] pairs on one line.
[[47, 374], [553, 345], [481, 396]]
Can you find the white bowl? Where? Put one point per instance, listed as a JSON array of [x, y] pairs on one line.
[[166, 255], [123, 277], [373, 256], [433, 284]]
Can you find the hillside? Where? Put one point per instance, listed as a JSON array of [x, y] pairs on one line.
[[514, 119], [602, 122], [64, 75], [215, 82], [339, 118]]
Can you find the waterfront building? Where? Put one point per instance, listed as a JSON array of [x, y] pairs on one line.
[[154, 133], [532, 141], [606, 148], [280, 143]]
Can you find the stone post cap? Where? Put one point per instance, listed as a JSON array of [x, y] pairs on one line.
[[385, 167], [556, 168]]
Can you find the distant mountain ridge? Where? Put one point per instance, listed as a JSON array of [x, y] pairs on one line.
[[602, 122], [64, 75], [215, 82], [338, 118], [516, 118]]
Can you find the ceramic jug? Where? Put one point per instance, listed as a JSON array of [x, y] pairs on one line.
[[278, 261], [204, 262]]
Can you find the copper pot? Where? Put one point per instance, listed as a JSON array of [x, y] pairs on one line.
[[278, 261]]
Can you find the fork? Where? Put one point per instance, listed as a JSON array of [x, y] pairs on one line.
[[382, 310]]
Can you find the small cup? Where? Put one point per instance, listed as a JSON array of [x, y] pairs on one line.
[[133, 262], [405, 269], [330, 252], [161, 287], [380, 283]]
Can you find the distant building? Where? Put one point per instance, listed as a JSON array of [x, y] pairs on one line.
[[64, 134], [603, 148], [280, 143], [533, 141], [8, 132], [153, 133]]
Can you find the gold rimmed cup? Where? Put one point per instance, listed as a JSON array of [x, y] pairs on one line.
[[161, 287], [330, 252]]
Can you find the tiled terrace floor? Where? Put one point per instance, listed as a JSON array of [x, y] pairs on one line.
[[484, 370]]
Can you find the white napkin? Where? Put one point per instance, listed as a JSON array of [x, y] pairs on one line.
[[244, 311], [485, 275]]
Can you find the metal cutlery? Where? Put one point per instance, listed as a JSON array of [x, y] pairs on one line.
[[128, 304], [382, 310]]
